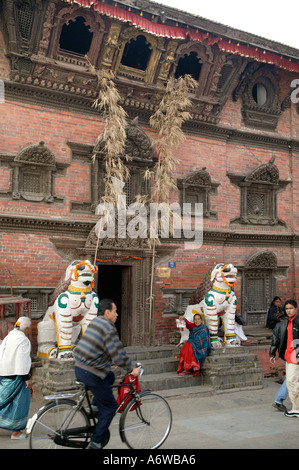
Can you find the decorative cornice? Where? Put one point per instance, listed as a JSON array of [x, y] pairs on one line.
[[77, 103], [80, 229], [48, 226]]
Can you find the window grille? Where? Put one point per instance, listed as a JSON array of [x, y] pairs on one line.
[[256, 295], [32, 183], [25, 18]]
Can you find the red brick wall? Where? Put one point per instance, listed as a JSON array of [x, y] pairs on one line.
[[268, 369], [32, 258]]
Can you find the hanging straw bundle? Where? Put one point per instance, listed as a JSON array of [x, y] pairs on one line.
[[112, 143], [168, 121]]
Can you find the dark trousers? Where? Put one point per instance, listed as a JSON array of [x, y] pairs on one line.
[[103, 399]]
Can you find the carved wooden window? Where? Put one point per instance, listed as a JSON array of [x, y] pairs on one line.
[[138, 147], [39, 300], [33, 172], [76, 36], [259, 285], [136, 53], [178, 300], [259, 93], [76, 32], [197, 188], [260, 96], [189, 64], [257, 292], [136, 56], [25, 16], [26, 21], [258, 192]]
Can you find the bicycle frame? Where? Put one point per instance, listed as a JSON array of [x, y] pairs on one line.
[[62, 436]]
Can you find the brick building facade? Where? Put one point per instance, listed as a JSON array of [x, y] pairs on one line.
[[239, 158]]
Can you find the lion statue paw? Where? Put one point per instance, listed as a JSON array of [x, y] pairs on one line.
[[216, 344], [64, 354], [233, 343]]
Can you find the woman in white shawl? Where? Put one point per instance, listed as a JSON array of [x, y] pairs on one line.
[[15, 383]]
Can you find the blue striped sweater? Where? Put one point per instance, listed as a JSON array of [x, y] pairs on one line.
[[99, 347]]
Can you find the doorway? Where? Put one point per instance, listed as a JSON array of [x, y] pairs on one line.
[[114, 282]]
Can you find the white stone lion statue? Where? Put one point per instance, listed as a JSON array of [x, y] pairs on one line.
[[215, 298], [71, 308]]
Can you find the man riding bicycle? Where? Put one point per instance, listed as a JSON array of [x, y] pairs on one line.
[[98, 348]]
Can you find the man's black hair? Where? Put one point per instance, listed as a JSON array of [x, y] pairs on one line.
[[105, 304], [290, 301]]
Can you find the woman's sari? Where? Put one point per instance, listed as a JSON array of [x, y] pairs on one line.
[[14, 403], [195, 349]]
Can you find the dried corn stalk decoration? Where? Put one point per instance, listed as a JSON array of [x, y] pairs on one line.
[[111, 144], [167, 120]]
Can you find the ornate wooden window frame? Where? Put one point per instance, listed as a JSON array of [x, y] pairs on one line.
[[138, 147], [30, 19], [262, 267], [266, 115], [147, 75], [205, 56], [96, 26], [258, 194], [178, 300], [37, 161], [39, 297], [200, 185]]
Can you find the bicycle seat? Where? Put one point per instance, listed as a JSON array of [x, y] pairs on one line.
[[81, 385]]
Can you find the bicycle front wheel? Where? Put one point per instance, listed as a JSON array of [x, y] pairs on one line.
[[145, 424], [53, 425]]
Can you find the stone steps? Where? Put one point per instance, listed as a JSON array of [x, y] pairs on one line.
[[222, 369]]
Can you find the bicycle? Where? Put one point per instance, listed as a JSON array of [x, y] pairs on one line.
[[145, 420]]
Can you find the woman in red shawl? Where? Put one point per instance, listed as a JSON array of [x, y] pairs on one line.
[[196, 348]]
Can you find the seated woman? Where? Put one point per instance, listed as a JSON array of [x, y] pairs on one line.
[[196, 348], [275, 313]]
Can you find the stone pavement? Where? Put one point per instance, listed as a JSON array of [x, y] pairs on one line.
[[203, 419]]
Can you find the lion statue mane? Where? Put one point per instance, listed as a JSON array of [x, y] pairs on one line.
[[214, 299], [71, 308]]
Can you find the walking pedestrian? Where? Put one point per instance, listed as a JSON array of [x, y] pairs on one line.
[[281, 396], [285, 340], [15, 382]]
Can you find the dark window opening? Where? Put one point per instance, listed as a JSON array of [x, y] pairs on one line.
[[189, 65], [75, 36], [259, 94], [136, 53]]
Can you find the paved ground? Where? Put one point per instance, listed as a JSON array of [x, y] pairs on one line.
[[231, 420]]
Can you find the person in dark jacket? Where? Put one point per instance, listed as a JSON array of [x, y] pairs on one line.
[[285, 340], [275, 313], [98, 348]]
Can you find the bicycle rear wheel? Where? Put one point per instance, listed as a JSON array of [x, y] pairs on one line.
[[53, 421], [145, 424]]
